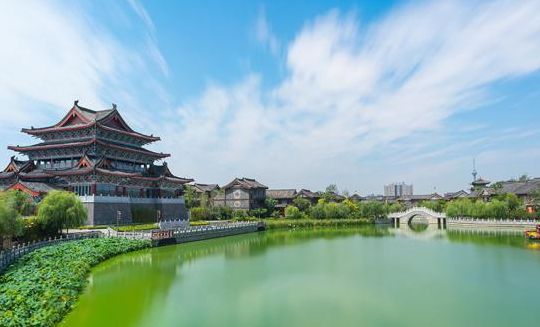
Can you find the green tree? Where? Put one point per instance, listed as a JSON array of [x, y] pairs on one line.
[[395, 207], [10, 222], [330, 193], [335, 210], [435, 205], [513, 202], [270, 205], [23, 202], [317, 211], [191, 197], [302, 204], [61, 210], [535, 200], [372, 209]]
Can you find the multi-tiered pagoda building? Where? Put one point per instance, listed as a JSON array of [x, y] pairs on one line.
[[99, 157]]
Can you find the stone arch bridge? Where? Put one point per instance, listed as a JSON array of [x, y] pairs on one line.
[[405, 217]]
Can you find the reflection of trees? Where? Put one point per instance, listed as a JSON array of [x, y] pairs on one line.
[[127, 287], [486, 237], [258, 243]]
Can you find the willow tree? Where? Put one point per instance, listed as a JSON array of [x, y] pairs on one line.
[[61, 210], [10, 222]]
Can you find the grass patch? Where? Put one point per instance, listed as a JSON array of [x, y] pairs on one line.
[[137, 227], [198, 223], [310, 223], [43, 286]]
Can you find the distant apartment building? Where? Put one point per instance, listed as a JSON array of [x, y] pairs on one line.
[[398, 190]]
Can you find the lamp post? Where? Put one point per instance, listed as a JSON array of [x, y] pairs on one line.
[[118, 218]]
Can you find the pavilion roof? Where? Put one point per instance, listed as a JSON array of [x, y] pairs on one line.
[[79, 117], [281, 193], [56, 145], [308, 194], [245, 183], [205, 187]]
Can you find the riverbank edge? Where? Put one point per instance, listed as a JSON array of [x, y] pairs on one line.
[[36, 290], [63, 310], [274, 224]]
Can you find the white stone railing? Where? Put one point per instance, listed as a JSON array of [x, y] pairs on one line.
[[492, 221], [10, 255]]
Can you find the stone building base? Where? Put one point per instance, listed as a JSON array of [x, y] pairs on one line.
[[110, 210]]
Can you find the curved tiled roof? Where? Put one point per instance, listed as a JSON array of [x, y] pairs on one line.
[[281, 193], [57, 145], [89, 118]]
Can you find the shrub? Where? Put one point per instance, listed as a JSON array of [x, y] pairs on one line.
[[240, 214], [317, 211], [259, 213], [200, 213], [302, 204], [222, 213], [334, 210], [292, 212]]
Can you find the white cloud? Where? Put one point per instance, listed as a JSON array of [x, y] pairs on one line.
[[54, 52], [352, 89], [264, 33], [354, 94]]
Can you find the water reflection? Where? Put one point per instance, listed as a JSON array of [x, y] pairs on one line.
[[137, 289]]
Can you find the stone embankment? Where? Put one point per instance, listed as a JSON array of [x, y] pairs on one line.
[[492, 223]]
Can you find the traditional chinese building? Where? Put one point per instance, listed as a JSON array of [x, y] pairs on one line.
[[99, 157], [242, 194]]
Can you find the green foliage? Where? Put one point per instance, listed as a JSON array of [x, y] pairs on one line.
[[32, 229], [536, 200], [222, 213], [24, 203], [200, 213], [435, 205], [395, 207], [292, 212], [302, 204], [503, 206], [240, 214], [372, 209], [270, 205], [61, 209], [313, 223], [212, 213], [334, 210], [41, 287], [259, 213], [317, 211], [191, 198], [10, 222], [330, 194]]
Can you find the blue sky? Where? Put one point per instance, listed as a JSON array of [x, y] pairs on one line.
[[300, 94]]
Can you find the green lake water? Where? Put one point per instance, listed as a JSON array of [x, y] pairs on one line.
[[345, 277]]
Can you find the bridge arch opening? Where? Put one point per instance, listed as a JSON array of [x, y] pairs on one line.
[[418, 223]]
